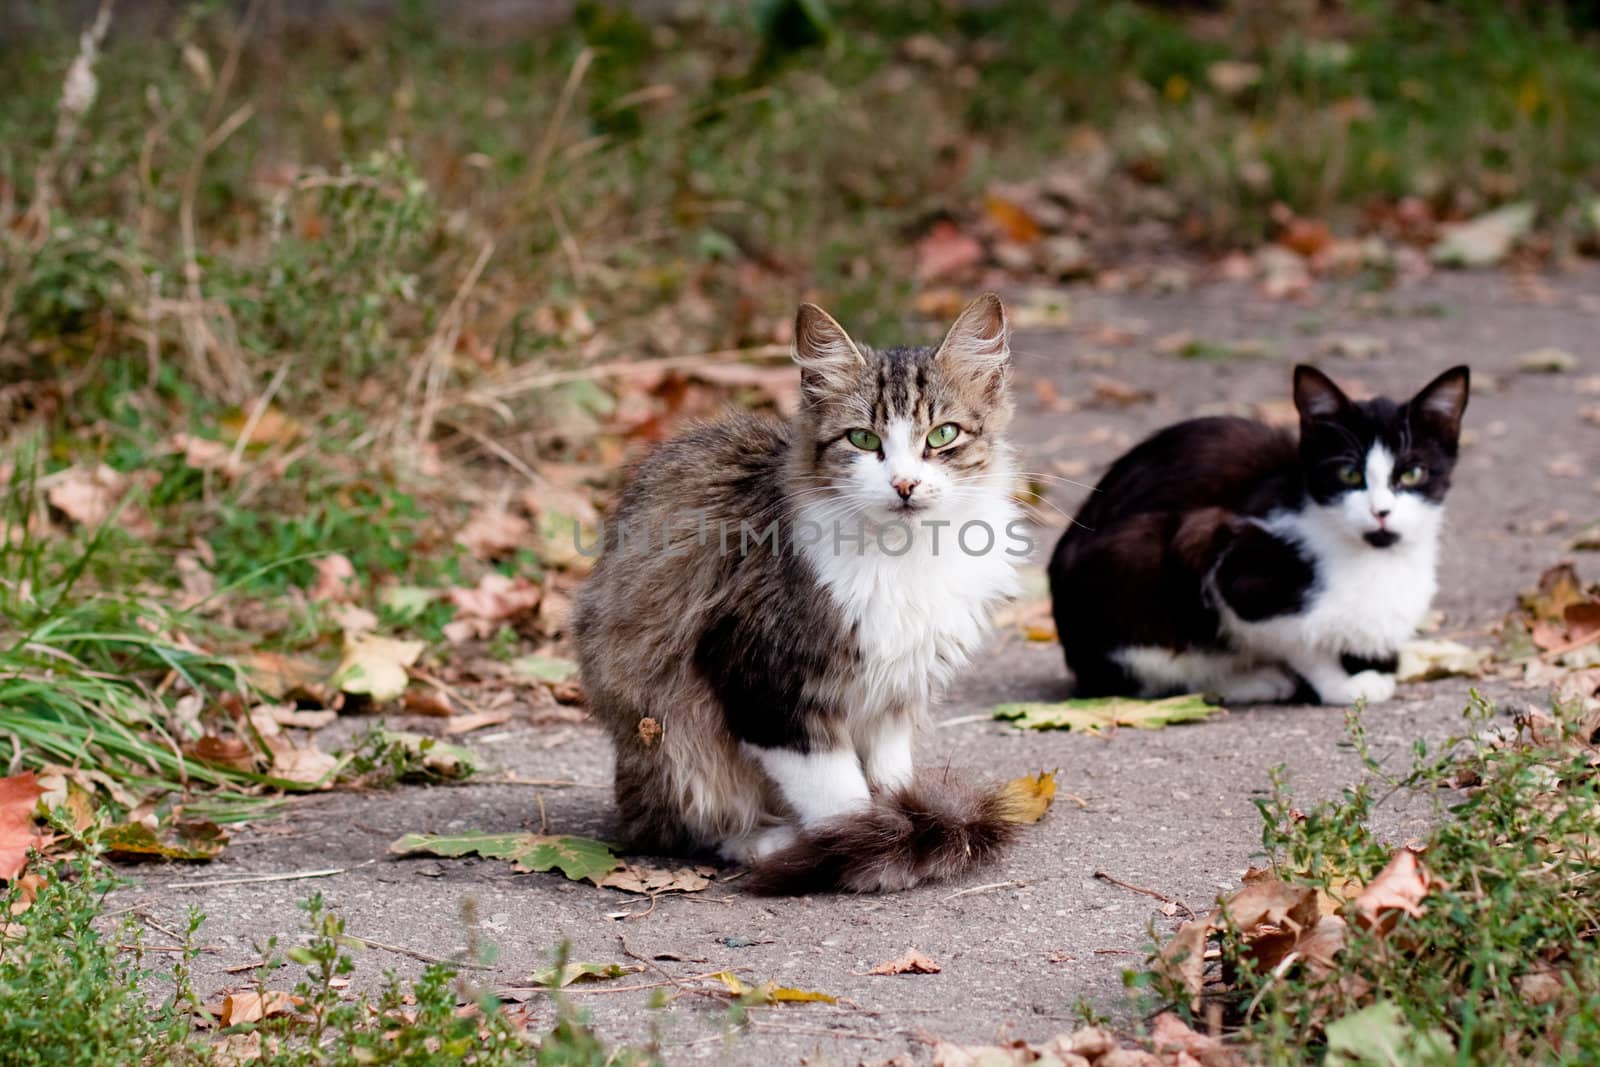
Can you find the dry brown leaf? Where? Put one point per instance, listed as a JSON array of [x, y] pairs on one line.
[[278, 676], [946, 250], [336, 579], [430, 701], [87, 497], [1319, 945], [223, 751], [639, 878], [250, 1006], [1113, 393], [1012, 218], [495, 533], [1172, 1036], [1183, 960], [202, 453], [1398, 889], [19, 794], [496, 599], [289, 715], [306, 765], [271, 427], [913, 962], [465, 724]]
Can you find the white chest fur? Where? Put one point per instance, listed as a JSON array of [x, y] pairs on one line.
[[920, 614], [1366, 601]]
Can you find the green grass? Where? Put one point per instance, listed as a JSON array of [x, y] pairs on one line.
[[1501, 965], [76, 988]]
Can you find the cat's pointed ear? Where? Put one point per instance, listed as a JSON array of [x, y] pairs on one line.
[[1443, 401], [1315, 395], [979, 344], [829, 361]]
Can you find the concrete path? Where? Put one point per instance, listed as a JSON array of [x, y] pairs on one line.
[[1026, 942]]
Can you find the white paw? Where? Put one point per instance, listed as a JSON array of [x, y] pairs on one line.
[[1266, 686], [747, 848], [1369, 686]]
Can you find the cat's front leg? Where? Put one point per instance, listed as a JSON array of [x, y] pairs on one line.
[[1327, 675], [886, 752], [816, 784]]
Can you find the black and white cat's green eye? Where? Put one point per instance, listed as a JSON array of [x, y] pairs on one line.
[[1351, 476], [865, 440], [940, 436], [1412, 476]]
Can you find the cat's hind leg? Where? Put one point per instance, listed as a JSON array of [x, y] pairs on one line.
[[884, 746], [816, 784]]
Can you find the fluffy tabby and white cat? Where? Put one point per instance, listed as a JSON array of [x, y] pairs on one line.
[[786, 601], [1222, 555]]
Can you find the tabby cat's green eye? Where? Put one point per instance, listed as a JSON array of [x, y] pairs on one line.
[[1350, 476], [940, 436], [865, 440], [1412, 476]]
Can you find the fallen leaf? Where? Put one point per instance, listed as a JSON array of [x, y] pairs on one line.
[[202, 453], [496, 599], [465, 724], [544, 668], [1170, 1034], [278, 676], [495, 533], [1379, 1036], [87, 497], [429, 701], [183, 840], [913, 962], [1012, 218], [944, 250], [336, 579], [1547, 361], [769, 992], [303, 764], [1542, 986], [1097, 715], [1183, 959], [1397, 890], [228, 752], [579, 973], [1112, 393], [576, 857], [272, 427], [1427, 660], [639, 878], [1027, 798], [1230, 77], [19, 795], [1306, 237], [250, 1006], [1485, 240], [289, 715], [376, 665], [1270, 915]]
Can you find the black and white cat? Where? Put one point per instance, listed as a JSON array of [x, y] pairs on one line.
[[1222, 556]]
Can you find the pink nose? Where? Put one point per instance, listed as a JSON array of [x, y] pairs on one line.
[[905, 487]]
